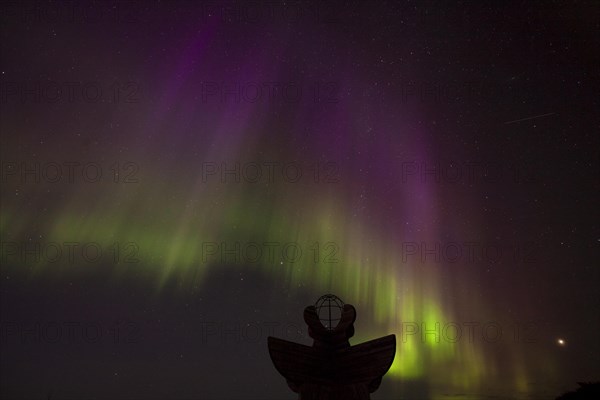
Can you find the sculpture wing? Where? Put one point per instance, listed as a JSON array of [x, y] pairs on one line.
[[367, 361], [296, 362]]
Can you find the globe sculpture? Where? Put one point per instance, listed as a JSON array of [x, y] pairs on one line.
[[329, 308], [332, 369]]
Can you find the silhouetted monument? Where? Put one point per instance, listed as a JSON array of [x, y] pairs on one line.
[[331, 368]]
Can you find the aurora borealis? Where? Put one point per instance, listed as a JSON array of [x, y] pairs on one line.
[[194, 170]]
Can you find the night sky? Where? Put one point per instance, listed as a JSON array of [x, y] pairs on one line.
[[180, 179]]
